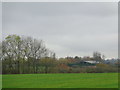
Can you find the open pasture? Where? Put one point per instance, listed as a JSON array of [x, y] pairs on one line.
[[69, 80]]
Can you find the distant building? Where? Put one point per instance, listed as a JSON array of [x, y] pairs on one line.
[[92, 62], [110, 61]]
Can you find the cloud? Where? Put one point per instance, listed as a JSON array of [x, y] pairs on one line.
[[0, 21], [66, 28]]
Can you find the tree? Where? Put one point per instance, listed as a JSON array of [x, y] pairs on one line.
[[97, 56], [0, 58], [76, 57], [11, 49], [47, 63], [22, 54], [103, 57]]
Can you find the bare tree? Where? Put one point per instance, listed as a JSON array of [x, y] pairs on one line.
[[97, 56], [23, 54]]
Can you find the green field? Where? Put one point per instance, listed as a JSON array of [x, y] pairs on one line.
[[77, 80]]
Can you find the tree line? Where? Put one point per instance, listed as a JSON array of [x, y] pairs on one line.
[[23, 55]]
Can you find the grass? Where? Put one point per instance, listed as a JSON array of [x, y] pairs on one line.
[[74, 80]]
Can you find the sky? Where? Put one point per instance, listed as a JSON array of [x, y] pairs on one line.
[[0, 21], [67, 28]]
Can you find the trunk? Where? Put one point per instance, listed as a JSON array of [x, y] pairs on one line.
[[46, 69], [34, 66], [18, 68]]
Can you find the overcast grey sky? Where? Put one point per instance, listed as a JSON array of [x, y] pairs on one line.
[[69, 29], [0, 21]]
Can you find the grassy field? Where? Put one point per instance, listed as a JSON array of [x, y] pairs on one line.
[[77, 80]]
